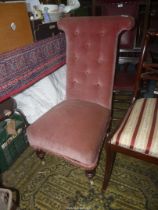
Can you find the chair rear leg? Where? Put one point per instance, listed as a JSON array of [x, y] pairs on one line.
[[110, 159]]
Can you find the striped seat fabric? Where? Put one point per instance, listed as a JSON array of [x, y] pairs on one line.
[[139, 129]]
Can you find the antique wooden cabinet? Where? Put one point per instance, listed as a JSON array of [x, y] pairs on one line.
[[15, 29]]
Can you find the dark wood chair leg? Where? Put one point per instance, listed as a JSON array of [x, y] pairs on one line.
[[90, 174], [110, 159], [40, 154]]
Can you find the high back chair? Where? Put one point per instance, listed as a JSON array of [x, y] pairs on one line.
[[137, 135], [75, 128]]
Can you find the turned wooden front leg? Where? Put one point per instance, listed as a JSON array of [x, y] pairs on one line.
[[40, 154]]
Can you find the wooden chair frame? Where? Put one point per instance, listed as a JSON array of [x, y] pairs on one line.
[[112, 149]]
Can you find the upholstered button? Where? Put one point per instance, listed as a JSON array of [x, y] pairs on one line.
[[87, 72], [76, 57], [76, 32], [74, 82], [100, 60], [98, 85], [102, 33], [88, 44]]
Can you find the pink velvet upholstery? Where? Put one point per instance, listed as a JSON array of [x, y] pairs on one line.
[[91, 50], [75, 129], [72, 135]]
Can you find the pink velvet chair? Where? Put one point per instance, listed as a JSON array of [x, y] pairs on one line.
[[75, 128]]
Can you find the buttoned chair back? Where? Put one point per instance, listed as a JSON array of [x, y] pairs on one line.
[[91, 57], [75, 128]]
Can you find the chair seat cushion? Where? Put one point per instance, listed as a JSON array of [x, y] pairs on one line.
[[139, 129], [73, 129]]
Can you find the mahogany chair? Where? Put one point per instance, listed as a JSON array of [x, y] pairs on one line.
[[137, 136], [130, 41], [149, 70], [129, 47], [75, 128]]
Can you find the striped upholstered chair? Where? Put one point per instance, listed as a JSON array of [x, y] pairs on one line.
[[137, 135]]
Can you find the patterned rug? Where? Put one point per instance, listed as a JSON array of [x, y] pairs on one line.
[[58, 185], [24, 66]]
